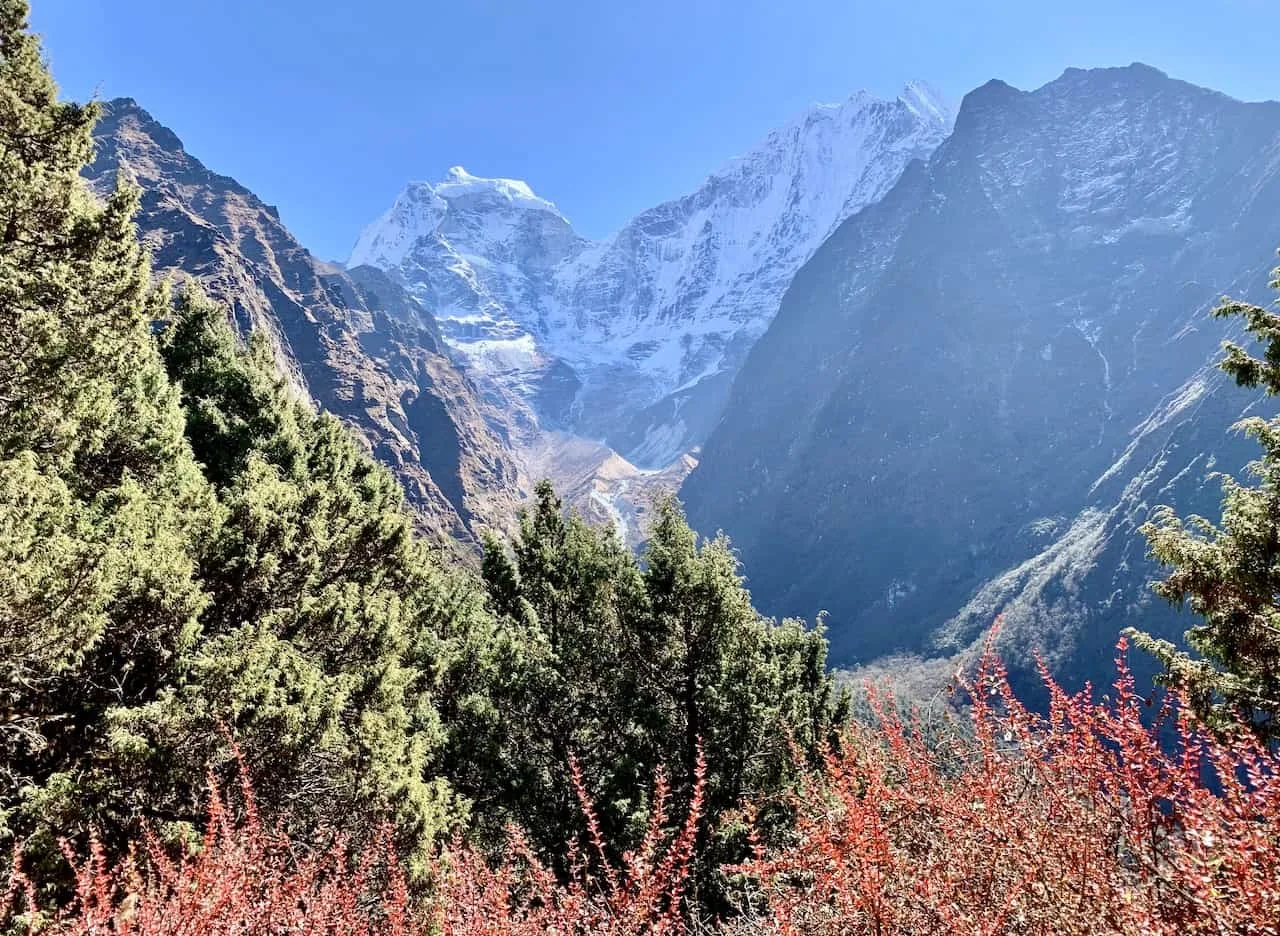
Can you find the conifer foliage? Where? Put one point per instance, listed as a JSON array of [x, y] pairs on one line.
[[187, 553], [627, 664], [100, 498], [1229, 572]]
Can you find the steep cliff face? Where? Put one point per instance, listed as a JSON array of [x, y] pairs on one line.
[[635, 340], [954, 379], [352, 341]]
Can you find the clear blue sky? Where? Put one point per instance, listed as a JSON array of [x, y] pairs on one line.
[[326, 109]]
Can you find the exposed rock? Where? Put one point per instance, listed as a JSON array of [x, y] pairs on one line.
[[976, 388], [352, 341], [635, 340]]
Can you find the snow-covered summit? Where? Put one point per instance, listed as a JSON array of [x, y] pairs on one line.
[[927, 102], [419, 210], [636, 338], [459, 182]]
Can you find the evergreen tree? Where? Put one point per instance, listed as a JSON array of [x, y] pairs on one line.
[[185, 552], [628, 665], [318, 594], [566, 598], [1229, 573], [751, 692], [100, 499]]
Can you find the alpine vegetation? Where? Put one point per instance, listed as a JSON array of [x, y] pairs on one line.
[[292, 642]]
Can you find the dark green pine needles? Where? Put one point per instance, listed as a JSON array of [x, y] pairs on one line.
[[1229, 572]]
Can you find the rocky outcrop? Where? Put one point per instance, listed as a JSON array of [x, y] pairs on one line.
[[352, 341], [976, 388]]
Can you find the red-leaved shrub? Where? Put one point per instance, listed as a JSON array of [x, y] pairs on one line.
[[247, 879], [1078, 822], [522, 898]]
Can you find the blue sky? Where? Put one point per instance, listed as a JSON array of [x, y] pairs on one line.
[[326, 109]]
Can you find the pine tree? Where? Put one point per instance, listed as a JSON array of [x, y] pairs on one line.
[[629, 664], [100, 500], [186, 551], [750, 692], [314, 642], [1229, 573], [562, 686]]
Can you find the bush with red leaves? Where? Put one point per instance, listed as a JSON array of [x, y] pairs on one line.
[[522, 898], [249, 880], [245, 879], [1080, 821]]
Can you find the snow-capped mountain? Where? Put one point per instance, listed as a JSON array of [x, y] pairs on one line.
[[636, 339]]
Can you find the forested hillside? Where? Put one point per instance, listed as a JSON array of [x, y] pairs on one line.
[[240, 693]]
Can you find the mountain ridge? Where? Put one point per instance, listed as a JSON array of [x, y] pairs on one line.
[[631, 340], [964, 361], [350, 341]]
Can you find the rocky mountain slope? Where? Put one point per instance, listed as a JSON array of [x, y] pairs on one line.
[[354, 342], [635, 340], [976, 389]]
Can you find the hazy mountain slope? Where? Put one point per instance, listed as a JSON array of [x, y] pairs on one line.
[[957, 366], [353, 341], [634, 340]]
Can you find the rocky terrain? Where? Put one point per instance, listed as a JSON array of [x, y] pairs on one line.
[[352, 341], [978, 387], [992, 360], [633, 341]]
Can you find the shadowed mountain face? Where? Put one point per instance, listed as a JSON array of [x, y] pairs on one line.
[[352, 341], [977, 388]]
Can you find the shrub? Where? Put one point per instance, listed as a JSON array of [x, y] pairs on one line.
[[245, 879], [248, 879], [1084, 820], [521, 897], [1081, 821]]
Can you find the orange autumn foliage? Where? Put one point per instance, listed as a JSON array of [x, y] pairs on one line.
[[1079, 821], [1083, 820]]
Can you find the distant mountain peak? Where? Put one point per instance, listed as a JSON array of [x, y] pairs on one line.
[[634, 338], [458, 183], [421, 208], [927, 102], [1017, 330]]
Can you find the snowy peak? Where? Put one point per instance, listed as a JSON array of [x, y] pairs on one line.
[[384, 243], [928, 103], [422, 207], [460, 184], [635, 339]]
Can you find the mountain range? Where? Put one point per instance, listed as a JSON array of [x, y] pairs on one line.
[[635, 340], [925, 367], [978, 387]]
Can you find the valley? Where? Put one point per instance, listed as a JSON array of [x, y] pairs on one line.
[[876, 531], [905, 337]]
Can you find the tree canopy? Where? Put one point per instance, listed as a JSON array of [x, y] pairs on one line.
[[1228, 572]]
